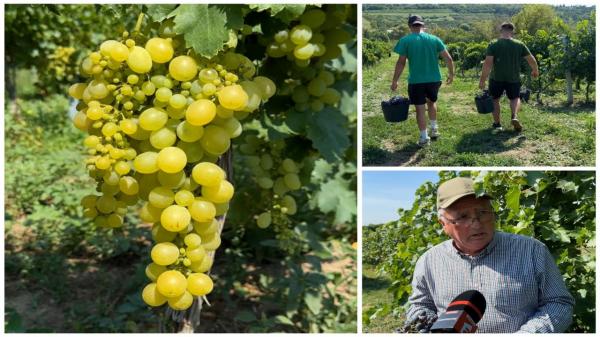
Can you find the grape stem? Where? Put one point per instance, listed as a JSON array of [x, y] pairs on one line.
[[138, 24]]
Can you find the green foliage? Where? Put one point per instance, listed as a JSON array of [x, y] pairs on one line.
[[534, 17], [52, 39], [557, 208], [374, 51]]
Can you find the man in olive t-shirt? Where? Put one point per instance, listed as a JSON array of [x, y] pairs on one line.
[[424, 80], [503, 59]]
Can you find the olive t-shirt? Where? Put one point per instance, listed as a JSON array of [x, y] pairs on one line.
[[422, 51], [508, 54]]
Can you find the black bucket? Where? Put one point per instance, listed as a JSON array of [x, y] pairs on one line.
[[396, 109], [484, 103], [524, 94]]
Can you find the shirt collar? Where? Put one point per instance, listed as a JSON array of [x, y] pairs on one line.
[[487, 250]]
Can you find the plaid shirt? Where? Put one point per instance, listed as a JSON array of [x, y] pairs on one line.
[[522, 285]]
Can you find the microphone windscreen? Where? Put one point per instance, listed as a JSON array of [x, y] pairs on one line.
[[471, 301]]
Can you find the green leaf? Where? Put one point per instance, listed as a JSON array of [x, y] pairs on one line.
[[313, 302], [277, 129], [264, 7], [297, 121], [286, 13], [283, 320], [329, 133], [348, 100], [567, 186], [561, 234], [321, 170], [582, 292], [335, 196], [512, 198], [347, 60], [235, 16], [159, 12], [534, 176], [205, 28], [245, 316]]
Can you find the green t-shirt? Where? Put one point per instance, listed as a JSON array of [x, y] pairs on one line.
[[422, 51], [508, 54]]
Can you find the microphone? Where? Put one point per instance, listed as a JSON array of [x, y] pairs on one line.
[[462, 314]]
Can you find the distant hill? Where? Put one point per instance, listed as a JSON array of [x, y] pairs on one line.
[[448, 16]]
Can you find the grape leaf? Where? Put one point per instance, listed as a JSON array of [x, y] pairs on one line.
[[335, 196], [567, 186], [286, 13], [159, 12], [235, 18], [320, 171], [280, 319], [274, 8], [291, 13], [297, 120], [205, 28], [313, 302], [512, 198], [348, 101], [347, 60], [278, 129], [329, 133]]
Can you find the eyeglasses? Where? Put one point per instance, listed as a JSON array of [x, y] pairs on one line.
[[483, 216]]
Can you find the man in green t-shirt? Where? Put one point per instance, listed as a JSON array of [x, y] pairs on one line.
[[424, 80], [503, 60]]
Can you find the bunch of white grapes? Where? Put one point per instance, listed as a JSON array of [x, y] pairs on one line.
[[275, 175], [316, 92], [158, 119], [317, 35]]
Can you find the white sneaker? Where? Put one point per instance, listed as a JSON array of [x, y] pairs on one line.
[[434, 133], [423, 142], [516, 125]]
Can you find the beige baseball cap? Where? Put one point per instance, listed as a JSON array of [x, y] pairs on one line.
[[454, 189]]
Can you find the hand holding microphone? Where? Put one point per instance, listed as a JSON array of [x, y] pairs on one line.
[[462, 314]]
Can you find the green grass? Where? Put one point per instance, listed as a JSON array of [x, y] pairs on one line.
[[374, 294], [553, 134]]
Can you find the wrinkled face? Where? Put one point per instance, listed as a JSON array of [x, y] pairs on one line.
[[470, 222]]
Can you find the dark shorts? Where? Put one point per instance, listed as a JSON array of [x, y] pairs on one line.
[[498, 88], [419, 91]]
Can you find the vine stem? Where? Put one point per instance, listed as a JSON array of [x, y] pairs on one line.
[[138, 24]]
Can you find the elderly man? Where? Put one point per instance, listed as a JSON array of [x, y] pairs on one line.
[[503, 60], [522, 285], [424, 80]]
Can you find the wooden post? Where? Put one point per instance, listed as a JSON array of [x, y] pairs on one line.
[[568, 78]]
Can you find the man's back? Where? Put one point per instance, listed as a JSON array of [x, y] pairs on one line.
[[508, 55], [422, 51]]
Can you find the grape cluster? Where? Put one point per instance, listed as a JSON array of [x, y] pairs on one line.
[[314, 91], [158, 119], [59, 62], [317, 35], [421, 323], [277, 176]]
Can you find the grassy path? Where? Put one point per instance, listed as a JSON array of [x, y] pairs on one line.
[[375, 293], [553, 135]]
